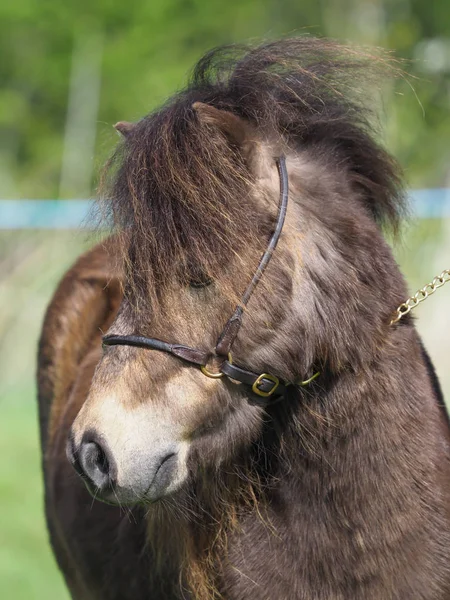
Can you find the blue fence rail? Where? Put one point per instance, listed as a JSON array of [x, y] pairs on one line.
[[71, 214]]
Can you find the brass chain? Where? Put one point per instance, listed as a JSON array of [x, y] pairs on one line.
[[421, 295]]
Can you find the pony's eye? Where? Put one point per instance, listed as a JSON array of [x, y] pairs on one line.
[[199, 283], [196, 277]]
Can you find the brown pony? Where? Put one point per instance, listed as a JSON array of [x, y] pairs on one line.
[[341, 488]]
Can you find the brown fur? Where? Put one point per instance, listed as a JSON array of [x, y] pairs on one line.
[[340, 490]]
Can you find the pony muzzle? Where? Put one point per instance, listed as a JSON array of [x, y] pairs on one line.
[[133, 458]]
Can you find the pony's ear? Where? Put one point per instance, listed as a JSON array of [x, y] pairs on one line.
[[124, 128], [237, 130], [241, 134]]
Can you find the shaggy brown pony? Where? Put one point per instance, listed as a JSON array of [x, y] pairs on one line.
[[338, 491]]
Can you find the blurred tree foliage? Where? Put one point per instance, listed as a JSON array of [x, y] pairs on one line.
[[69, 70]]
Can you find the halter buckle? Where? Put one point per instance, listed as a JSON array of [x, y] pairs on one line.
[[267, 377]]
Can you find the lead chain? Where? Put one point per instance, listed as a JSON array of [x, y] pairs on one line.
[[421, 295]]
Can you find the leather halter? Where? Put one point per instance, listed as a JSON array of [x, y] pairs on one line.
[[264, 385]]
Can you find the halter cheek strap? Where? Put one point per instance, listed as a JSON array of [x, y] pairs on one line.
[[234, 323], [265, 385]]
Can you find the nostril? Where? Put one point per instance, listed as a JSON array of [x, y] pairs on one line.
[[93, 459], [164, 471], [94, 462], [103, 462], [99, 459]]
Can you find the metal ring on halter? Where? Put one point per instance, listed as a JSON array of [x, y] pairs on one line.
[[217, 375]]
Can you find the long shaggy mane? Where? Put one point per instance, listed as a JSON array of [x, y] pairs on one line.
[[182, 194]]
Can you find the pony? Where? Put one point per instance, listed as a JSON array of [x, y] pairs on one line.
[[194, 487]]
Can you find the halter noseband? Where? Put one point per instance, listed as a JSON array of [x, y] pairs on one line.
[[264, 385]]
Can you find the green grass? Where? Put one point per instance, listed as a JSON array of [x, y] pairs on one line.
[[27, 567]]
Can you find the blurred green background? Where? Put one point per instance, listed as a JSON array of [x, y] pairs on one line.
[[69, 70]]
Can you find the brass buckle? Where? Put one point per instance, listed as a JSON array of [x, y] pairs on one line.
[[272, 378], [217, 375]]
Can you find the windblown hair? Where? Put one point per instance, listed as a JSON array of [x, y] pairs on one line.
[[183, 193]]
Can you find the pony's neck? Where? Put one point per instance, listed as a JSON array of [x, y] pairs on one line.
[[357, 478], [364, 420]]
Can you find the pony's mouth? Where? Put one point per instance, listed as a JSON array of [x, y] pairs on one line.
[[115, 495]]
